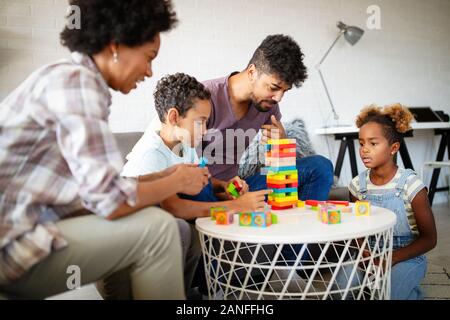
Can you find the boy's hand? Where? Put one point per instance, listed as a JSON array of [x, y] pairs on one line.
[[251, 201], [190, 178], [272, 131], [172, 169], [242, 184]]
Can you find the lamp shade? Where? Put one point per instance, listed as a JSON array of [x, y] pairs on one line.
[[351, 33]]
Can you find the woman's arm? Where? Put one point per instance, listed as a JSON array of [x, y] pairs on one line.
[[427, 230], [186, 179]]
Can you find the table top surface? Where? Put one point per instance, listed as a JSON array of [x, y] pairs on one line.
[[354, 129], [300, 225]]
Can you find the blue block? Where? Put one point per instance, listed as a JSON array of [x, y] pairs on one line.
[[285, 190], [203, 162], [279, 169]]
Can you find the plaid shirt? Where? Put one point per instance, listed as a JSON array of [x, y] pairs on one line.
[[57, 156]]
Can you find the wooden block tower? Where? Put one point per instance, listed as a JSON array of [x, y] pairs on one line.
[[281, 172]]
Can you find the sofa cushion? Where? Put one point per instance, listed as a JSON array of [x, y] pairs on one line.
[[126, 141]]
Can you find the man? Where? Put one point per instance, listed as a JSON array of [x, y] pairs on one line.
[[247, 101]]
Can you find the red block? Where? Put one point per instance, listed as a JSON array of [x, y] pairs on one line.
[[281, 154], [236, 184], [282, 186], [337, 202], [313, 203], [281, 208], [282, 146]]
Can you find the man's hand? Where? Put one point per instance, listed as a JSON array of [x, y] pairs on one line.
[[272, 131], [242, 184]]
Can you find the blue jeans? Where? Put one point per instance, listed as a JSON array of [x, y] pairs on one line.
[[406, 276], [315, 178]]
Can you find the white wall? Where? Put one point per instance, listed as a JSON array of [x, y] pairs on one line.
[[406, 61]]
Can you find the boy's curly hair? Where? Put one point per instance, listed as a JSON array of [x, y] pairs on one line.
[[395, 120], [178, 91], [131, 22], [280, 55]]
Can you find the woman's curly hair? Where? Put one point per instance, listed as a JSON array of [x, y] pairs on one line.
[[395, 120], [131, 22], [280, 55], [178, 91]]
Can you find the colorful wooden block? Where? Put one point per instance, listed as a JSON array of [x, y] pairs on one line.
[[362, 208], [282, 185], [300, 204], [281, 141], [257, 219], [338, 202], [344, 209], [280, 162], [232, 190], [314, 203], [238, 187], [281, 170], [203, 162], [224, 217], [284, 153], [329, 214], [214, 210]]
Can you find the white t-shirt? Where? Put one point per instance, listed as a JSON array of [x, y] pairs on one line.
[[150, 154]]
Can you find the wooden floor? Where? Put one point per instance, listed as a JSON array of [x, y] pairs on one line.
[[440, 255]]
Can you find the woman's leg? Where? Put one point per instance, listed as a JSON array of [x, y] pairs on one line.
[[138, 256]]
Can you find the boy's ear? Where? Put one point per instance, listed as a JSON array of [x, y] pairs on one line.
[[395, 147], [172, 116]]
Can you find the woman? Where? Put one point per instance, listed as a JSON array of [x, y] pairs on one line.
[[58, 157]]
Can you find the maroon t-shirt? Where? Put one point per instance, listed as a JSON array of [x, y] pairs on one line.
[[227, 138]]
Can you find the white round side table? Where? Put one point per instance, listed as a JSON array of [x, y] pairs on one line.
[[300, 257]]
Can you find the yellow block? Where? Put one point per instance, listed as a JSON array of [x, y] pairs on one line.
[[281, 141], [362, 208], [285, 199]]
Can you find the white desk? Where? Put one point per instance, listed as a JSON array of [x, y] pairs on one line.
[[347, 135], [354, 129], [233, 253]]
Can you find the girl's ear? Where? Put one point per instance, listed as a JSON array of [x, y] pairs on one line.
[[172, 116], [395, 147]]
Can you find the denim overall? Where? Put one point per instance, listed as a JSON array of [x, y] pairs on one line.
[[406, 275]]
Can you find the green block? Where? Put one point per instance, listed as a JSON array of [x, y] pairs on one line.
[[274, 219], [232, 190]]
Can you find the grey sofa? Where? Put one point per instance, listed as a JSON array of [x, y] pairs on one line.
[[127, 140]]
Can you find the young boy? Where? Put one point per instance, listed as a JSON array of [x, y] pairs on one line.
[[183, 106]]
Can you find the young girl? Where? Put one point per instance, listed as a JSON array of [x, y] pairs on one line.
[[386, 185]]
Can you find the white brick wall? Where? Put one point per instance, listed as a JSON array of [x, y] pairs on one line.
[[406, 61]]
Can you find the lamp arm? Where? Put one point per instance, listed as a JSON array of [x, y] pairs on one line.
[[329, 49], [336, 117]]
